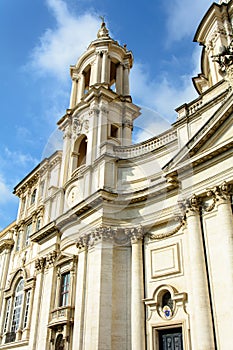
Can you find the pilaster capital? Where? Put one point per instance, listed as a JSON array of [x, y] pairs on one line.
[[192, 205], [119, 236], [136, 234], [222, 193], [127, 122], [40, 264]]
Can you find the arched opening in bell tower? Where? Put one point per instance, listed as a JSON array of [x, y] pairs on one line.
[[79, 152], [87, 76], [82, 152], [113, 70]]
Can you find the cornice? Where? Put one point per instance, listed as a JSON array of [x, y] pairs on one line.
[[203, 134]]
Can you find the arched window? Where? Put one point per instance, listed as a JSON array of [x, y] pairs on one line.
[[167, 300], [17, 307]]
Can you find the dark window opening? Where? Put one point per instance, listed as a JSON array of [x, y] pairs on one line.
[[87, 76], [82, 152], [114, 131]]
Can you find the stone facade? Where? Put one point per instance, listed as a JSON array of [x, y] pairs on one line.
[[121, 246]]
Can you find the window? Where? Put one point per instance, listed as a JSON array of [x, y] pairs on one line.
[[26, 312], [65, 288], [17, 311], [27, 234], [8, 305], [33, 196], [18, 300], [38, 223], [114, 131]]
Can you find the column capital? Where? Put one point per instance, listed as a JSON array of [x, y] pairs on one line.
[[192, 205]]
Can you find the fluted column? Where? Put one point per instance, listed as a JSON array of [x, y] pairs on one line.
[[137, 294], [201, 322]]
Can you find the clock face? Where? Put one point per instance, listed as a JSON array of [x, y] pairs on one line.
[[73, 196]]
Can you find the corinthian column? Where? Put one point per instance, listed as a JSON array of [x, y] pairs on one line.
[[201, 322], [137, 293]]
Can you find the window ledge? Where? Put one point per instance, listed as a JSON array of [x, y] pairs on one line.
[[14, 345]]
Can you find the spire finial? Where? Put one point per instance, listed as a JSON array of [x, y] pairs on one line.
[[103, 31]]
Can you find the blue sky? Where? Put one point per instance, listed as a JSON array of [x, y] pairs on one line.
[[40, 39]]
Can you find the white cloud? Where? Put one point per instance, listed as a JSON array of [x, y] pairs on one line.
[[183, 17], [19, 158], [61, 46], [161, 97], [5, 192]]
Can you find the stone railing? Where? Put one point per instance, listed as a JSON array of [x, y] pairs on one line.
[[61, 315], [146, 146]]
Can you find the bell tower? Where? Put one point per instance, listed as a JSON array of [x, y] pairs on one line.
[[105, 63], [101, 113], [215, 35]]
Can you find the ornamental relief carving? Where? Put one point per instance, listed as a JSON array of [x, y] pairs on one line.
[[119, 236], [46, 261], [80, 126]]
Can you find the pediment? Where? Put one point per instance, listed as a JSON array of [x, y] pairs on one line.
[[214, 137]]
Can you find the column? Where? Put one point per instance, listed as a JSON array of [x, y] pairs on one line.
[[80, 299], [127, 128], [73, 95], [137, 294], [105, 68], [126, 80], [97, 71], [81, 87], [201, 322], [36, 302], [119, 79], [223, 266]]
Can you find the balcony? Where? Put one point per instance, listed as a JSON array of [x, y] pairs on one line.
[[61, 316]]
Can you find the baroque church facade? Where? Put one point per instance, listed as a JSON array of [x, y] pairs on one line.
[[128, 246]]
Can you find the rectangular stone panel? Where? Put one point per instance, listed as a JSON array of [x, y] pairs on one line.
[[165, 261]]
